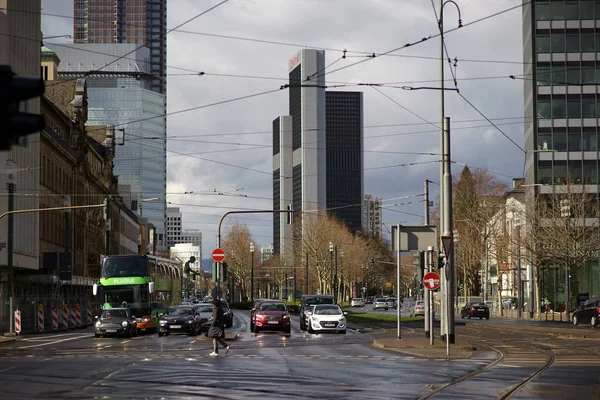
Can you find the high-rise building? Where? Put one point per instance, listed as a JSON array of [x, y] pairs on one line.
[[176, 234], [344, 127], [183, 252], [282, 187], [119, 94], [139, 22], [267, 252], [560, 47], [373, 221]]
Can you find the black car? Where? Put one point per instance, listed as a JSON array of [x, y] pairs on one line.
[[179, 319], [252, 312], [587, 313], [306, 305], [475, 309], [227, 314], [115, 321]]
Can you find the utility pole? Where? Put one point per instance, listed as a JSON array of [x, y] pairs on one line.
[[426, 192], [449, 273], [252, 274], [306, 276], [107, 228], [519, 280], [335, 278], [9, 249]]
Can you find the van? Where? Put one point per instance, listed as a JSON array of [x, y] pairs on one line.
[[306, 303]]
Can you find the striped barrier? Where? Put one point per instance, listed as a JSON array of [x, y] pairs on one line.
[[18, 322], [54, 318], [72, 319], [78, 316], [65, 317], [40, 318], [90, 317]]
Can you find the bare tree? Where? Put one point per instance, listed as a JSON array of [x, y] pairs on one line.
[[236, 245]]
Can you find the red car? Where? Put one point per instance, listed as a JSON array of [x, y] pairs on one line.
[[272, 315]]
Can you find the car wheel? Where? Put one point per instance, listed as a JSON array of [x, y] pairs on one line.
[[385, 309], [256, 330], [575, 320], [161, 334], [594, 322], [96, 335], [310, 328], [488, 317], [342, 332], [302, 326], [468, 317], [480, 317], [167, 333], [288, 331]]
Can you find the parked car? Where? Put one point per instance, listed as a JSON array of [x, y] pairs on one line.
[[252, 312], [272, 315], [357, 302], [368, 300], [587, 313], [392, 302], [327, 317], [380, 304], [306, 306], [179, 319], [115, 321], [417, 309], [204, 311], [475, 309], [227, 314]]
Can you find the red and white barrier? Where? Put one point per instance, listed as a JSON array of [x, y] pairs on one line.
[[54, 318], [90, 317], [40, 318], [78, 316], [18, 322], [72, 320], [65, 317]]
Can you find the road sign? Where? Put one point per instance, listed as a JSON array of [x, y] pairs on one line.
[[447, 242], [216, 293], [431, 280], [218, 255]]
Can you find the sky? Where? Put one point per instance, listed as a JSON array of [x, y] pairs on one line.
[[222, 151]]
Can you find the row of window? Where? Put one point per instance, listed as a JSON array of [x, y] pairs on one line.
[[580, 74], [562, 140], [561, 173], [569, 10], [568, 42], [570, 107]]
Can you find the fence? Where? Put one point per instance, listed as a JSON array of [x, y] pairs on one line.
[[39, 314]]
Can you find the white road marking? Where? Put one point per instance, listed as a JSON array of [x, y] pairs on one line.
[[38, 338], [190, 359], [6, 369], [53, 342]]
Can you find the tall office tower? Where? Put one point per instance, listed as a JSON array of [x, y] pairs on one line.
[[141, 22], [173, 225], [282, 187], [119, 94], [344, 116], [373, 220], [560, 47], [20, 39], [307, 109]]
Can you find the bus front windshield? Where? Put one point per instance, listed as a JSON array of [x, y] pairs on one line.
[[135, 297], [113, 267]]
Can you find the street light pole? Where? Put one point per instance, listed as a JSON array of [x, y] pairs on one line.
[[519, 280], [565, 211], [335, 277], [331, 264], [251, 273]]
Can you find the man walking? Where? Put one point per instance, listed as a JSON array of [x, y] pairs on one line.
[[217, 328]]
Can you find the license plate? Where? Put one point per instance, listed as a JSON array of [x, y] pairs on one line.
[[273, 322], [175, 326], [328, 325], [481, 309], [111, 330]]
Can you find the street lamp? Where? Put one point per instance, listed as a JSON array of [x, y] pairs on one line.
[[565, 212], [517, 225], [251, 273], [145, 201], [331, 262]]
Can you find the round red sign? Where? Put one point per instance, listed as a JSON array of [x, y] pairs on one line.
[[218, 255], [431, 280]]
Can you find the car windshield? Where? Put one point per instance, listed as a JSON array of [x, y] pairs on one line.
[[328, 310], [115, 313], [311, 301], [180, 311], [380, 300], [420, 303], [479, 305], [356, 299], [272, 307], [207, 308]]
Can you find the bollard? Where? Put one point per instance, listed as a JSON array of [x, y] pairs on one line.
[[17, 322], [78, 316], [40, 318], [54, 319], [65, 317], [90, 317]]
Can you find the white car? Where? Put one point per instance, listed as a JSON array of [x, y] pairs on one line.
[[357, 302], [327, 317]]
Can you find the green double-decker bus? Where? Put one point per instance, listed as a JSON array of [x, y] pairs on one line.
[[145, 284]]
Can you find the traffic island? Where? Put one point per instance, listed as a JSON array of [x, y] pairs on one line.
[[419, 346], [560, 332]]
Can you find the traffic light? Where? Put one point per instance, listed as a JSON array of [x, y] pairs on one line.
[[224, 277], [421, 269], [441, 260], [214, 271], [13, 122], [372, 262]]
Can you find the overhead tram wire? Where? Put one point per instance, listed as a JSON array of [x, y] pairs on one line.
[[404, 108]]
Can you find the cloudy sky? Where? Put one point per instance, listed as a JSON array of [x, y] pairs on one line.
[[243, 48]]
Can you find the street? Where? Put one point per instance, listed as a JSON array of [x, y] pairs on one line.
[[75, 365]]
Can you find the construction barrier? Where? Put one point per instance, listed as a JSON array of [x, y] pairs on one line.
[[90, 317], [18, 322], [73, 319], [40, 318], [78, 316], [54, 318], [65, 317]]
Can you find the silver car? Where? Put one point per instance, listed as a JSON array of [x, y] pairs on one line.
[[392, 302], [380, 303]]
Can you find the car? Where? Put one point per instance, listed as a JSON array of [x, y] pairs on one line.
[[417, 309], [117, 322], [327, 317], [204, 311], [227, 314], [587, 313], [179, 319], [252, 312], [357, 302], [475, 309], [392, 302], [272, 315], [368, 300], [380, 303], [306, 305]]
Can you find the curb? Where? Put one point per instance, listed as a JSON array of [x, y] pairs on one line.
[[564, 334], [430, 353]]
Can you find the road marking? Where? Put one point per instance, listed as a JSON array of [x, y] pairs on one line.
[[125, 341], [146, 359], [53, 342], [6, 369], [190, 359], [33, 339]]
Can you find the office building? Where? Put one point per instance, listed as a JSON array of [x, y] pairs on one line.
[[267, 252], [139, 22], [282, 187], [119, 94], [183, 252], [373, 221], [560, 48], [344, 127], [177, 235]]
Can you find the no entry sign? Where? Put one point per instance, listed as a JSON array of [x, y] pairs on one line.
[[218, 255], [431, 280]]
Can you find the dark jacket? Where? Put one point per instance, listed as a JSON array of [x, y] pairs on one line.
[[218, 318]]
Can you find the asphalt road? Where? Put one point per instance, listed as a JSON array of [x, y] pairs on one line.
[[75, 365]]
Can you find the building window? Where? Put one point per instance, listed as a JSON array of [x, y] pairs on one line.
[[559, 142], [557, 10], [542, 42], [574, 108], [544, 111], [573, 43], [557, 42], [572, 10]]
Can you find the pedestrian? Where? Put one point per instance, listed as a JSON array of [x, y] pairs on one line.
[[217, 329]]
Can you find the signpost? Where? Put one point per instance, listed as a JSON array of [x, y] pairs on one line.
[[431, 280], [218, 255]]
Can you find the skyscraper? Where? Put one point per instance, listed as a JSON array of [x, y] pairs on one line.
[[141, 22], [373, 220], [282, 186], [344, 127]]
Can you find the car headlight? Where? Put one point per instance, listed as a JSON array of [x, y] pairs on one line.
[[98, 324], [286, 317], [124, 323], [189, 322], [315, 319], [146, 319], [162, 322]]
